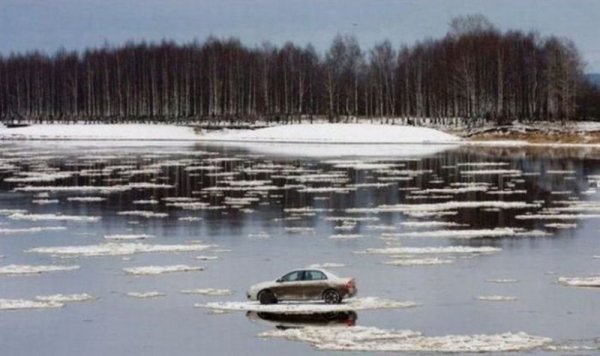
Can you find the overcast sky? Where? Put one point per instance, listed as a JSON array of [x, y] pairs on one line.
[[75, 24]]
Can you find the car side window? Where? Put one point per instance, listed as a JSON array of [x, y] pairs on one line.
[[314, 276], [292, 276]]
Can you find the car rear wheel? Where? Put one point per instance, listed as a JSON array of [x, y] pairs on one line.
[[331, 296], [267, 297]]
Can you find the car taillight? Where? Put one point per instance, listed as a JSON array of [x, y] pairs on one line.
[[350, 284]]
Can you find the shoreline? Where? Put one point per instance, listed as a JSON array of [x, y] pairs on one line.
[[570, 135]]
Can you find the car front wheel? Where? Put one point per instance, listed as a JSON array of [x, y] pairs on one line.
[[267, 297], [331, 296]]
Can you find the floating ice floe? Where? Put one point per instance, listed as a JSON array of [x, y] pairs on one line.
[[189, 218], [143, 295], [145, 202], [560, 226], [17, 304], [143, 214], [451, 205], [593, 281], [425, 224], [28, 269], [128, 237], [432, 250], [482, 164], [405, 262], [556, 216], [345, 236], [115, 249], [29, 177], [496, 298], [491, 172], [474, 233], [27, 230], [212, 292], [152, 270], [44, 201], [89, 199], [502, 280], [65, 298], [351, 304], [363, 338], [53, 217], [326, 265]]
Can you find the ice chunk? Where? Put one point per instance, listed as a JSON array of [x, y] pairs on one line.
[[419, 261], [433, 250], [142, 295], [27, 269], [326, 265], [143, 214], [502, 280], [496, 298], [207, 291], [593, 281], [53, 217], [312, 307], [152, 270], [31, 230], [363, 338], [65, 298], [116, 249], [16, 304]]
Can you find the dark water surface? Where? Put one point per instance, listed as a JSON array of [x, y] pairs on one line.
[[261, 233]]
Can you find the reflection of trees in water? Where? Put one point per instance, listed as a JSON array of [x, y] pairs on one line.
[[170, 169]]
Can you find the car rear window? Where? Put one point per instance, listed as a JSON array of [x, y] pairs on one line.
[[314, 275]]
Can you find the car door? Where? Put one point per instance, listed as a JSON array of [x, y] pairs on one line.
[[290, 286], [315, 285]]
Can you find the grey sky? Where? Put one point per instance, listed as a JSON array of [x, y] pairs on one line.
[[74, 24]]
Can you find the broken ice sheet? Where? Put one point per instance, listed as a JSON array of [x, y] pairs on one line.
[[593, 281], [116, 249], [351, 304], [364, 338], [154, 270], [28, 269], [144, 295], [213, 292]]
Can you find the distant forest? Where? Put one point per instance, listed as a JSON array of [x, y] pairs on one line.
[[475, 72]]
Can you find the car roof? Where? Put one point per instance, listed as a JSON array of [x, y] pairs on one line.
[[326, 272]]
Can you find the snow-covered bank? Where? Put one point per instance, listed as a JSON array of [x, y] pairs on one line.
[[300, 133], [336, 133], [115, 132]]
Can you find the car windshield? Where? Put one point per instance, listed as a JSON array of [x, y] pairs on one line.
[[292, 276]]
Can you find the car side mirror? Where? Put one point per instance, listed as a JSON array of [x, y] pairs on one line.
[[278, 280]]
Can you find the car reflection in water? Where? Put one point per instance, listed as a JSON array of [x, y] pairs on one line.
[[285, 321]]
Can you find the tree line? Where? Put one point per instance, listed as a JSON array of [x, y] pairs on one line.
[[474, 72]]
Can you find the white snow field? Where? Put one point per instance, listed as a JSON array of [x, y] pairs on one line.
[[336, 133], [100, 132], [299, 133]]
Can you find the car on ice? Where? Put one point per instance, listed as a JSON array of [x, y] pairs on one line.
[[304, 284]]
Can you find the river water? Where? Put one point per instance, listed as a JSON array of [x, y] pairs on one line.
[[252, 215]]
